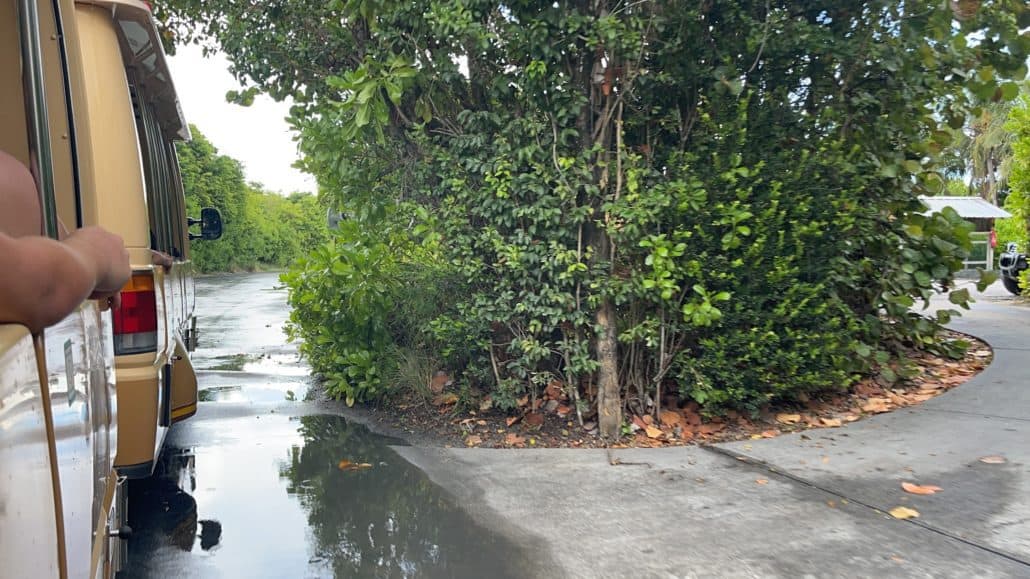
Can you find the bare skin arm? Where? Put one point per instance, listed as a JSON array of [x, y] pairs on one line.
[[47, 279], [43, 280]]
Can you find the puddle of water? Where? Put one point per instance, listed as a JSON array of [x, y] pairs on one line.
[[278, 364], [266, 498], [254, 393], [232, 362]]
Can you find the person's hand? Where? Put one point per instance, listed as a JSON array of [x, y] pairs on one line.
[[163, 259], [105, 252]]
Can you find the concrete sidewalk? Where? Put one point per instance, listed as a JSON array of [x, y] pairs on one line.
[[807, 504]]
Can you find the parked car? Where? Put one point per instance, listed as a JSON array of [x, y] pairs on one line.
[[1012, 264]]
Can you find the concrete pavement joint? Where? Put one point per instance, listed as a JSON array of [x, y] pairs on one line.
[[967, 413], [773, 469]]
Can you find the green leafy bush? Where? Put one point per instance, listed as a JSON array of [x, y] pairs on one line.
[[716, 198]]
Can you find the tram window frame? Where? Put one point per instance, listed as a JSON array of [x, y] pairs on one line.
[[180, 231], [55, 171], [156, 173]]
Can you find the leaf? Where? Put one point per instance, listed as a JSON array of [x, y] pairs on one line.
[[959, 297], [671, 419], [993, 459], [762, 481], [553, 390], [710, 428], [920, 489], [513, 439], [904, 513], [347, 465], [831, 422], [877, 405], [784, 418], [512, 420], [486, 404], [534, 419], [652, 432], [474, 440], [445, 399]]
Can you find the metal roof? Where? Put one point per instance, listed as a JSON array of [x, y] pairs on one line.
[[968, 207]]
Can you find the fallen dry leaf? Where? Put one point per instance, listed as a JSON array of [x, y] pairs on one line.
[[445, 399], [348, 465], [564, 411], [769, 434], [512, 420], [877, 405], [762, 481], [514, 439], [831, 422], [670, 418], [652, 432], [982, 353], [534, 419], [904, 513], [784, 418], [691, 415], [920, 489], [639, 422], [439, 381], [993, 459], [486, 404], [710, 428], [867, 389], [553, 390]]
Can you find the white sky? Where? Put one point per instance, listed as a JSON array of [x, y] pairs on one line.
[[257, 136]]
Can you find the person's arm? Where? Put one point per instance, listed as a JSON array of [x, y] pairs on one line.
[[45, 280]]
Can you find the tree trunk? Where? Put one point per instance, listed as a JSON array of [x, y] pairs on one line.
[[609, 406]]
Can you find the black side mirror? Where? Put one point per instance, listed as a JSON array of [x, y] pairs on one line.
[[210, 224]]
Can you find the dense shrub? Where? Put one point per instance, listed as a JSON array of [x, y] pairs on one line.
[[718, 198]]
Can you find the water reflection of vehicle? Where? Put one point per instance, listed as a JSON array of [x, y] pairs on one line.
[[86, 102]]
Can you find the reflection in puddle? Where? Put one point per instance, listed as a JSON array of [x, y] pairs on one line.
[[274, 502]]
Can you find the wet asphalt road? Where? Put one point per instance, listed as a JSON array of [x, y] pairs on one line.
[[252, 486]]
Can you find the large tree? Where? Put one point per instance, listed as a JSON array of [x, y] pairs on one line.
[[719, 197]]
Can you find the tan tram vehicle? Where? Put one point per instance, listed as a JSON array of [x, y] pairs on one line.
[[86, 101], [127, 103]]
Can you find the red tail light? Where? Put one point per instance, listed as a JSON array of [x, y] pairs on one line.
[[135, 322]]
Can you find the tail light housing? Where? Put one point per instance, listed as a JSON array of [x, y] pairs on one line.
[[135, 322]]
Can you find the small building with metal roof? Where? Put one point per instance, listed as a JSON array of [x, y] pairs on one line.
[[981, 213]]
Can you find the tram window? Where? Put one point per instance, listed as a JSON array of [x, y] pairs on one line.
[[157, 173]]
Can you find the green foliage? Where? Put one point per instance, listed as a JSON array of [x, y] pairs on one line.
[[260, 229], [361, 307], [1017, 228], [729, 188]]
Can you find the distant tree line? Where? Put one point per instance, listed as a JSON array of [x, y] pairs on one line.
[[262, 229]]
